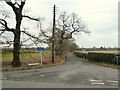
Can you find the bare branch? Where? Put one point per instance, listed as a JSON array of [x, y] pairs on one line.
[[40, 27], [2, 29], [4, 23], [22, 4], [29, 34], [16, 4], [32, 36], [67, 25], [18, 7], [36, 19], [39, 23], [34, 42], [44, 34], [10, 3], [25, 40], [2, 33]]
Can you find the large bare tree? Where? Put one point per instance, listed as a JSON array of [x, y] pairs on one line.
[[66, 26], [17, 7]]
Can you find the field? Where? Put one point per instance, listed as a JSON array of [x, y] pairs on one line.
[[29, 57], [103, 51], [24, 55]]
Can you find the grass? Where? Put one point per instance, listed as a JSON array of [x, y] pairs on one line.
[[23, 55], [101, 63], [31, 57], [7, 57], [106, 65]]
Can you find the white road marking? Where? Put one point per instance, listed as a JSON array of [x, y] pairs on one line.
[[115, 84], [42, 75], [98, 83], [112, 81], [95, 80], [82, 82], [4, 78]]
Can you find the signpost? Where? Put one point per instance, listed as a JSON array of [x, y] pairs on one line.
[[40, 49], [117, 57]]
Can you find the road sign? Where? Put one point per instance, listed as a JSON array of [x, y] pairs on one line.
[[40, 49]]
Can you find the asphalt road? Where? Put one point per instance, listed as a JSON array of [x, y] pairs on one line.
[[72, 74]]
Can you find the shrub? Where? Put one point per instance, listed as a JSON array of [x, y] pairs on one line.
[[4, 51], [102, 57], [81, 55]]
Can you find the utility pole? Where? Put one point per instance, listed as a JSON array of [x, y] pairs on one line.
[[53, 35]]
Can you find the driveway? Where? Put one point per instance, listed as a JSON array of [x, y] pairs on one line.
[[72, 74]]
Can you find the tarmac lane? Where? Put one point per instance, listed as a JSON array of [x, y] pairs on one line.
[[72, 74]]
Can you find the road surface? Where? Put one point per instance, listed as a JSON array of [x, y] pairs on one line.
[[72, 74]]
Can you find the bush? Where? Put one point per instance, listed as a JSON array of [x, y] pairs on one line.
[[102, 57], [4, 51], [81, 55]]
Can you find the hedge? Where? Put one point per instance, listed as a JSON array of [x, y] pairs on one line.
[[100, 57], [81, 55]]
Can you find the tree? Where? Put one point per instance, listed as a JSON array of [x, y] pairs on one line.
[[101, 47], [17, 7], [67, 45], [66, 26]]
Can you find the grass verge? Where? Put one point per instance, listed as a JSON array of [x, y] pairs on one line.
[[33, 58]]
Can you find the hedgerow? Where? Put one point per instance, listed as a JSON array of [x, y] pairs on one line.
[[99, 57]]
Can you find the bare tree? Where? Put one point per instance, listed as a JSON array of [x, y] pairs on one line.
[[17, 7], [66, 26]]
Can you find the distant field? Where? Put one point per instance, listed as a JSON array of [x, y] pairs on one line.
[[106, 51], [29, 57], [25, 55]]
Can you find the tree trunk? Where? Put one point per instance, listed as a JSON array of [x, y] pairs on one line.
[[16, 51], [59, 50], [17, 9]]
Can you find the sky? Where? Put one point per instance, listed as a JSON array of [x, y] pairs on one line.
[[100, 17]]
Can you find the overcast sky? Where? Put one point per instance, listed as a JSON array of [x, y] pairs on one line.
[[100, 16]]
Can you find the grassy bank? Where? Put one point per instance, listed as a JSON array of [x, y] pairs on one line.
[[29, 58]]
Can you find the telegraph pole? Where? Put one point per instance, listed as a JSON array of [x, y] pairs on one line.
[[53, 35]]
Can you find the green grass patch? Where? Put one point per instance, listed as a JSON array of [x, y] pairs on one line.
[[107, 65], [28, 58], [7, 57], [10, 68], [24, 54]]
